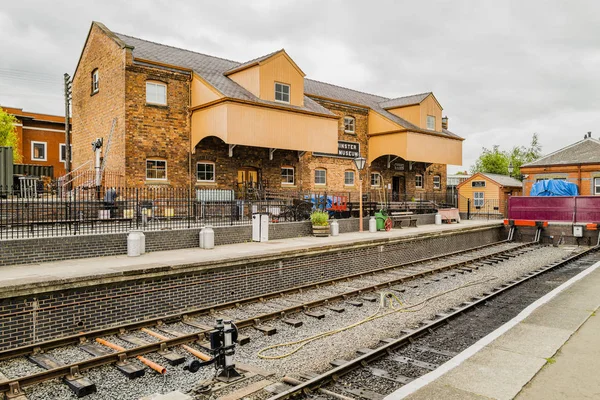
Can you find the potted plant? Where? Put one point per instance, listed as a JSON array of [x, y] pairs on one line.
[[320, 223]]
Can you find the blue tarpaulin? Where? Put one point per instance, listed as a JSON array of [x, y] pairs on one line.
[[551, 187]]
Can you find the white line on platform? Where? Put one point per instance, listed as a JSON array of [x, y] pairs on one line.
[[481, 343]]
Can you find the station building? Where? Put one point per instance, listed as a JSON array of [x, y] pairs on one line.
[[41, 138], [578, 163], [179, 118]]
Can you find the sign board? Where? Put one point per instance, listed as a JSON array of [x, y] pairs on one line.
[[399, 166], [478, 184], [345, 150]]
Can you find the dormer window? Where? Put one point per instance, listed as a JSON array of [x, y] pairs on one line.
[[431, 122], [282, 92], [95, 81], [349, 123]]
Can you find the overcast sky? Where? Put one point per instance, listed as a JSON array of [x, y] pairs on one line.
[[501, 69]]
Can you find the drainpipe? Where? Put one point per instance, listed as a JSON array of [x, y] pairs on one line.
[[579, 179]]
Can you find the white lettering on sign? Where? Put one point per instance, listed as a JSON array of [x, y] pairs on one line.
[[399, 166], [345, 150]]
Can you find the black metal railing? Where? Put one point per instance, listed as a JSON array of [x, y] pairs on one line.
[[478, 208]]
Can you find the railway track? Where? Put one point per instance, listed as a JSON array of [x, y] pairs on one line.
[[466, 260], [377, 372]]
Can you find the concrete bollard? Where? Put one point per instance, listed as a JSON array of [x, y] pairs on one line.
[[438, 219], [372, 225], [335, 228], [209, 237], [142, 240], [133, 244], [201, 236]]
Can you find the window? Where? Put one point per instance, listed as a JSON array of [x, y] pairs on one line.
[[375, 179], [156, 93], [38, 151], [205, 172], [349, 123], [597, 186], [95, 81], [478, 184], [287, 175], [431, 122], [437, 182], [478, 199], [62, 155], [320, 177], [282, 92], [156, 169], [418, 181], [349, 178]]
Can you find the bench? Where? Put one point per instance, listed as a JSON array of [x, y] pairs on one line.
[[398, 219], [369, 208]]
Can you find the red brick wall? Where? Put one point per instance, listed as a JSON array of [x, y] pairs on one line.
[[583, 176], [53, 138]]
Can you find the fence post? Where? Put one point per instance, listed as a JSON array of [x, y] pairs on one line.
[[138, 209], [469, 208]]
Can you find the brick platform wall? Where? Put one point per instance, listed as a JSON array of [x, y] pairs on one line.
[[24, 320]]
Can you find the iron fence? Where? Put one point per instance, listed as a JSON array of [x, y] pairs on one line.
[[483, 208]]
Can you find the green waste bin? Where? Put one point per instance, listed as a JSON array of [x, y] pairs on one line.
[[380, 217]]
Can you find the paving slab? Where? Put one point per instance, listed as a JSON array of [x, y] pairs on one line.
[[535, 340], [559, 317], [440, 391]]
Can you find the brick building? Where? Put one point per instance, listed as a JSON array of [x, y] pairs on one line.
[[578, 163], [175, 117], [41, 138]]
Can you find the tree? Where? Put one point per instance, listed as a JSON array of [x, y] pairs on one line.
[[8, 133], [496, 161]]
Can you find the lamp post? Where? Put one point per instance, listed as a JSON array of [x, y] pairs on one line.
[[510, 168], [360, 165]]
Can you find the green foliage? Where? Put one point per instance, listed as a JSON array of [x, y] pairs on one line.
[[551, 360], [8, 134], [319, 218], [496, 161]]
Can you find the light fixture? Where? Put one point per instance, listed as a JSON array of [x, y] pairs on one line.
[[360, 163]]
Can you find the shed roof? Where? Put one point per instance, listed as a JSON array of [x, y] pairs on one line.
[[586, 151]]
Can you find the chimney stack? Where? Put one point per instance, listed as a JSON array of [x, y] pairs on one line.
[[445, 122], [589, 134]]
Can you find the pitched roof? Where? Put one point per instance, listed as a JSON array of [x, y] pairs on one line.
[[586, 151], [405, 101], [209, 68], [503, 180], [251, 63]]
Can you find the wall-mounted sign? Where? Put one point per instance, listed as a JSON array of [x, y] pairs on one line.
[[399, 166], [345, 150], [478, 184]]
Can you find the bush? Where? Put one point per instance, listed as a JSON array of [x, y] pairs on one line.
[[319, 218]]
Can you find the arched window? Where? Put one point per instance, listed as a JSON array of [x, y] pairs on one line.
[[156, 93], [95, 81], [349, 125], [375, 179], [349, 178], [320, 176]]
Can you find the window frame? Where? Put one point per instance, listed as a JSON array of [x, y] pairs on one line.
[[214, 172], [157, 160], [596, 186], [434, 122], [60, 147], [156, 83], [33, 143], [353, 178], [422, 181], [439, 184], [293, 182], [353, 120], [95, 81], [373, 173], [324, 176], [289, 93], [477, 200]]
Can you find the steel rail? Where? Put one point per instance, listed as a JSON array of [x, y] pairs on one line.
[[199, 335], [332, 375], [178, 317]]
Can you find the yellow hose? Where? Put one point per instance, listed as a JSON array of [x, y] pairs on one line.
[[372, 317]]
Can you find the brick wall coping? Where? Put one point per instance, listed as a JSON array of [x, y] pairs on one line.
[[177, 262]]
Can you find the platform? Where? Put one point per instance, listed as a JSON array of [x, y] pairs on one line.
[[104, 269], [551, 350]]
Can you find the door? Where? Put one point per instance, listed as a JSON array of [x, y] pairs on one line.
[[397, 187], [247, 177]]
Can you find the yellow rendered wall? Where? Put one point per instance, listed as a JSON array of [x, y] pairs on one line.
[[412, 114], [416, 147], [249, 79], [430, 107], [202, 93], [280, 69], [378, 123], [255, 126], [491, 191]]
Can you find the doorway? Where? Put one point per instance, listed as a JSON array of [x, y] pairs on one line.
[[398, 187], [247, 177]]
